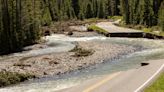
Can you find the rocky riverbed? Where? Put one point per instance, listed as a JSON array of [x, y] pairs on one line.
[[63, 62]]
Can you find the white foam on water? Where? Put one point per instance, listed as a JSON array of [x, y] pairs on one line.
[[61, 37], [155, 48]]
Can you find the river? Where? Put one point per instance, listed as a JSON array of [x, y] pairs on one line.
[[149, 49]]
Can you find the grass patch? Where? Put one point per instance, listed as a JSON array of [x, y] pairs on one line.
[[114, 18], [91, 20], [154, 30], [157, 86], [98, 30], [161, 33], [8, 78], [80, 52], [147, 30], [151, 31]]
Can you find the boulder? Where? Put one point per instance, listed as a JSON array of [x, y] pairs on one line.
[[47, 33], [144, 64], [70, 33]]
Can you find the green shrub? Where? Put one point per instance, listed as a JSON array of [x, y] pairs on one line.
[[80, 52], [147, 30], [161, 33], [7, 78]]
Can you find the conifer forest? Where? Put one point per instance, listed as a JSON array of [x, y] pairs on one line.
[[21, 20]]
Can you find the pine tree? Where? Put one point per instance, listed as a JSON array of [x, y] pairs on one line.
[[161, 16], [125, 10], [89, 11], [101, 9], [76, 7]]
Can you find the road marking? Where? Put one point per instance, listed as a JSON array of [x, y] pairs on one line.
[[101, 82], [157, 72]]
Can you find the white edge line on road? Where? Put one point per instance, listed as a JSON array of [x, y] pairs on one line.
[[158, 71]]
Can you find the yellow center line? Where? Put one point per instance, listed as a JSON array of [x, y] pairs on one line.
[[89, 89]]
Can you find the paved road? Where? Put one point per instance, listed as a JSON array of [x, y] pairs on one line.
[[133, 80], [111, 28]]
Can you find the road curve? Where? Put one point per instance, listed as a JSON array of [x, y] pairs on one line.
[[111, 28], [134, 80]]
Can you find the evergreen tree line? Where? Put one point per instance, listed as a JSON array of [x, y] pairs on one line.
[[19, 24], [144, 12], [20, 20], [81, 9]]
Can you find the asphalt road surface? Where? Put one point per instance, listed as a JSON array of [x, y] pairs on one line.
[[134, 80]]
